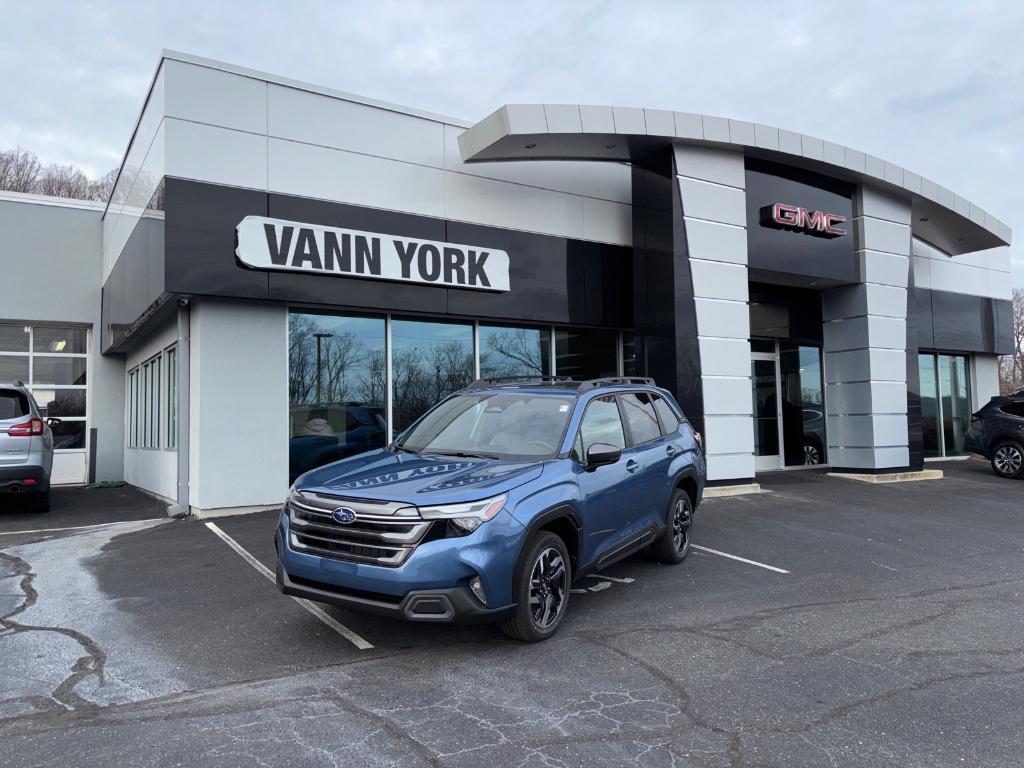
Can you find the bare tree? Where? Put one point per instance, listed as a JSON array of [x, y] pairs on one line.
[[62, 181], [103, 187], [19, 170], [1011, 366]]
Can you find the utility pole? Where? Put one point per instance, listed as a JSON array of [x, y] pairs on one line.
[[319, 396]]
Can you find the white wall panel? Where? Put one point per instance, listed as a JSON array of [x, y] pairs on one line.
[[348, 177], [721, 166], [718, 280], [608, 181], [882, 268], [724, 357], [881, 235], [730, 319], [500, 204], [217, 155], [868, 431], [607, 222], [984, 379], [729, 434], [215, 97], [866, 365], [727, 395], [711, 241], [866, 398], [704, 200], [299, 115], [727, 467], [245, 464]]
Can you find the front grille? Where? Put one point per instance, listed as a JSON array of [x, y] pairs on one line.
[[383, 532]]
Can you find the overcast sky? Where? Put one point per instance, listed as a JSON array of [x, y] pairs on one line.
[[937, 87]]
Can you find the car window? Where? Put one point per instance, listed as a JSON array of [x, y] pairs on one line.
[[669, 420], [505, 424], [643, 422], [13, 404], [601, 424], [1014, 409]]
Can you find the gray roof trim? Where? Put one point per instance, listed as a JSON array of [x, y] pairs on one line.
[[581, 132]]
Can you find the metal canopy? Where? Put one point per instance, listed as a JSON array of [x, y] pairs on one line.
[[518, 132]]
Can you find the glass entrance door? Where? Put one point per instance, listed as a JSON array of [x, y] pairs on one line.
[[764, 382]]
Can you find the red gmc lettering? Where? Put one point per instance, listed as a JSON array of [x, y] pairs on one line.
[[785, 216]]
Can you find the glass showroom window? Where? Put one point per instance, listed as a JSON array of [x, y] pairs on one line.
[[337, 388], [945, 403], [586, 354], [506, 351], [52, 362], [429, 360]]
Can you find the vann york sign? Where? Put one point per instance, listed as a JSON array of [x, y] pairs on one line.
[[312, 249], [817, 223]]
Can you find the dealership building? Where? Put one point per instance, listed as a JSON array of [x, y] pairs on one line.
[[286, 275]]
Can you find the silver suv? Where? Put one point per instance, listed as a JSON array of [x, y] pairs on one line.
[[26, 446]]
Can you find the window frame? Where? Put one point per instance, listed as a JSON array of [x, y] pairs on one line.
[[579, 428], [679, 419], [625, 420]]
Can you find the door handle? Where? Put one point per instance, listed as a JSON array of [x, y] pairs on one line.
[[671, 450], [632, 465]]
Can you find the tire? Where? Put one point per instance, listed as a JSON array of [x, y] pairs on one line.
[[1008, 459], [674, 544], [41, 502], [812, 454], [541, 589]]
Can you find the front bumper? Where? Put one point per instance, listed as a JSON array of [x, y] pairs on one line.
[[454, 604], [13, 477], [431, 585]]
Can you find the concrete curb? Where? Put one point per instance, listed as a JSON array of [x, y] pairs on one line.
[[719, 491], [891, 477]]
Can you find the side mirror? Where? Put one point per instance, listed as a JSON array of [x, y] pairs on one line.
[[600, 454], [53, 422]]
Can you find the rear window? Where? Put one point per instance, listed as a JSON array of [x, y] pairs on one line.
[[13, 404], [1014, 409], [669, 420], [643, 423]]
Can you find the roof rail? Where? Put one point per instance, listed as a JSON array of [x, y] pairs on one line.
[[489, 382], [611, 380]]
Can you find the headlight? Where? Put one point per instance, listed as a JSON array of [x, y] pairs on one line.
[[469, 515]]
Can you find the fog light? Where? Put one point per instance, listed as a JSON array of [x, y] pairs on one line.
[[477, 587]]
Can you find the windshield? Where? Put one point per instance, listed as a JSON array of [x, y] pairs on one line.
[[493, 426]]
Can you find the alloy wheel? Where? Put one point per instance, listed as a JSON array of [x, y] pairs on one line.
[[681, 519], [811, 455], [549, 582], [1008, 460]]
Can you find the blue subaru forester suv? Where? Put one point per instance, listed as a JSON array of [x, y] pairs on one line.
[[495, 501]]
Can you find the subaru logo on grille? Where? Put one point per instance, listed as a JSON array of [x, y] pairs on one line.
[[343, 515]]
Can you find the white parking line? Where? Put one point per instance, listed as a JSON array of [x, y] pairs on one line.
[[82, 527], [314, 609], [741, 559]]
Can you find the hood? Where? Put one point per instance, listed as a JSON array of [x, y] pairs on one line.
[[418, 480]]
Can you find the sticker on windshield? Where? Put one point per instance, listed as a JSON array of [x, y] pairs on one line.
[[563, 408]]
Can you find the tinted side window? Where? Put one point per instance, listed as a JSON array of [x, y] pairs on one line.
[[13, 404], [643, 423], [1014, 409], [669, 420], [601, 424]]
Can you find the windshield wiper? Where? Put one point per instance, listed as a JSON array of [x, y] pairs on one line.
[[396, 448], [461, 454]]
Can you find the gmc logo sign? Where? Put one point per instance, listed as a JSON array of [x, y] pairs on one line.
[[817, 223]]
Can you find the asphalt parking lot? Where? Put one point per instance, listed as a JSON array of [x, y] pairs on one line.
[[889, 633]]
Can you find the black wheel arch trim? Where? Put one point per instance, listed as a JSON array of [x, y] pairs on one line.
[[559, 512]]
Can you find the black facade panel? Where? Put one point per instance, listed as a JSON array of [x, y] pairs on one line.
[[788, 255], [664, 308], [965, 323], [919, 302], [785, 312], [553, 279], [200, 240], [915, 436]]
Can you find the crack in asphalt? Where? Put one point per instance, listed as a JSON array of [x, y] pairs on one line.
[[89, 665]]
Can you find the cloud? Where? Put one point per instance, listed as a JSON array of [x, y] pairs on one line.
[[936, 89]]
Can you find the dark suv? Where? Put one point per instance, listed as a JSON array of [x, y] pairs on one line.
[[495, 501], [997, 433]]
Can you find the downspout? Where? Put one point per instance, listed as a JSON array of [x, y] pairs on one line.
[[182, 509]]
